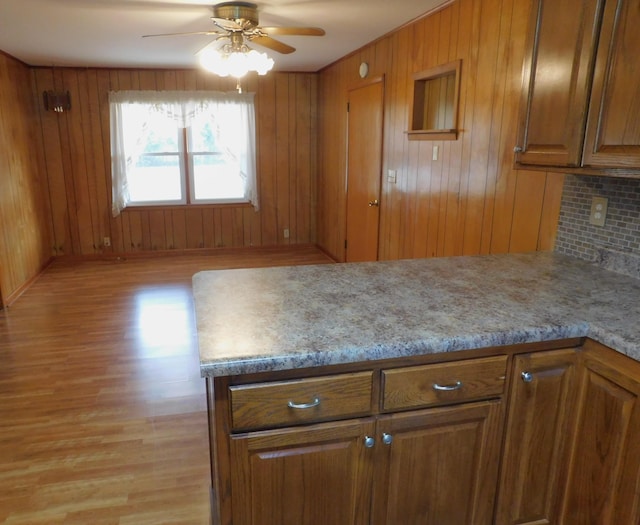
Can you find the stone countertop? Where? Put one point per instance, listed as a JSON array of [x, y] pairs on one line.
[[256, 320]]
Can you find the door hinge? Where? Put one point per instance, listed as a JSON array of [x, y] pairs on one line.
[[348, 106], [345, 244]]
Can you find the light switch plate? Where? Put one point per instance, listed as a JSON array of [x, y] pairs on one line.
[[392, 176], [598, 211]]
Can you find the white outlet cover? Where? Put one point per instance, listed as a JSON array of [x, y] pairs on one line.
[[598, 214]]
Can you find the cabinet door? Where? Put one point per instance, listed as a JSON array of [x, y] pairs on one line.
[[440, 467], [306, 476], [613, 133], [557, 74], [604, 482], [539, 429]]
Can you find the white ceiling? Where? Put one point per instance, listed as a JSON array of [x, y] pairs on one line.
[[108, 33]]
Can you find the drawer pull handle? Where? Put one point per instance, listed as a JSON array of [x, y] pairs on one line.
[[448, 388], [313, 403]]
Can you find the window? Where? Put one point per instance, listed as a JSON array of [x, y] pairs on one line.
[[172, 148]]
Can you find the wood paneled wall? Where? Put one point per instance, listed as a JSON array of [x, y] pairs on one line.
[[25, 241], [471, 200], [77, 156], [55, 195]]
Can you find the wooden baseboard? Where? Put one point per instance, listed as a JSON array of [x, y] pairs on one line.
[[192, 251], [257, 250], [13, 296], [326, 252]]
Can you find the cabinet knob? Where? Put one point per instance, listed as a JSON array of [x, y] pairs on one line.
[[527, 377], [387, 439], [518, 149], [369, 442]]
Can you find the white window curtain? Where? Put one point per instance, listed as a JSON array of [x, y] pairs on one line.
[[232, 113]]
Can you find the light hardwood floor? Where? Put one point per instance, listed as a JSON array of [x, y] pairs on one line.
[[102, 408]]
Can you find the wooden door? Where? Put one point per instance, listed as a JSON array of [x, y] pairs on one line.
[[364, 164], [539, 429], [303, 476], [613, 133], [440, 467], [604, 482], [557, 74]]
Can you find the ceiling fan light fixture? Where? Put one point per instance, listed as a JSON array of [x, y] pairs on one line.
[[237, 22], [235, 62]]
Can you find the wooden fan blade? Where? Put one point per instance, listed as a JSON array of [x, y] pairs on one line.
[[184, 34], [271, 43], [302, 31], [226, 24]]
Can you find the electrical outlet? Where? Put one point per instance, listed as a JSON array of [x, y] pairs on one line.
[[286, 233], [598, 211], [436, 152], [106, 241]]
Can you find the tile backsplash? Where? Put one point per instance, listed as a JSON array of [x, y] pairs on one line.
[[616, 245]]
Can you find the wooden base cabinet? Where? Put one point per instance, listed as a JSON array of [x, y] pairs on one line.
[[572, 448], [540, 424], [427, 467], [604, 481], [439, 466], [532, 436], [410, 445], [303, 476]]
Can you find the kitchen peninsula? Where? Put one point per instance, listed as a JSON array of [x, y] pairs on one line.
[[342, 393]]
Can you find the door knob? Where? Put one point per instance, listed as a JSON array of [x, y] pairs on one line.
[[374, 202]]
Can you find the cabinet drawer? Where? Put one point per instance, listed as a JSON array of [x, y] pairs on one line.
[[443, 383], [282, 403]]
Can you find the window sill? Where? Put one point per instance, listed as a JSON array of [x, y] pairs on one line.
[[165, 207], [433, 134]]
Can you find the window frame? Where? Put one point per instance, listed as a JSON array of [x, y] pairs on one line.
[[217, 102], [184, 183], [191, 173]]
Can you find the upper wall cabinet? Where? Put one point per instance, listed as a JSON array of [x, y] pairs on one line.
[[557, 72], [613, 129], [579, 107]]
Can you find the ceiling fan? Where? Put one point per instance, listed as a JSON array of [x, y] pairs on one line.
[[239, 21]]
